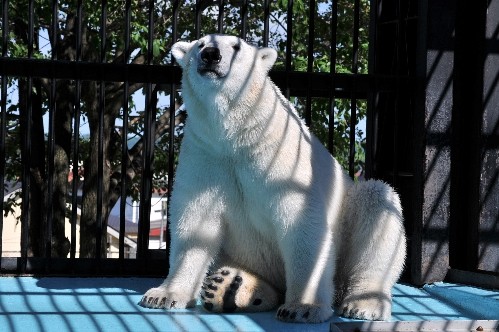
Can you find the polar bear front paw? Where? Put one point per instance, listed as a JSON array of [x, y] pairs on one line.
[[368, 308], [160, 297], [304, 313], [230, 289]]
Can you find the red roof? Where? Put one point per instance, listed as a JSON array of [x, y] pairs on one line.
[[155, 231]]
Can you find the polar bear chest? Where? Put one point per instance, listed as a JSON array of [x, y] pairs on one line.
[[253, 203]]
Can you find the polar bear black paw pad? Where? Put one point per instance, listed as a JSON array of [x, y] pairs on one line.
[[219, 291], [283, 313], [229, 290]]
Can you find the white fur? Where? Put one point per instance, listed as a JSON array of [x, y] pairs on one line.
[[255, 189]]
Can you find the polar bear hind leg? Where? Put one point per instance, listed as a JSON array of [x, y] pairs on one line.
[[230, 289], [372, 252]]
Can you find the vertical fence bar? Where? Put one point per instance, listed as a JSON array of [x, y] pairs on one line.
[[76, 135], [171, 143], [146, 188], [3, 127], [400, 28], [26, 181], [311, 36], [244, 18], [310, 60], [289, 43], [266, 19], [373, 96], [221, 5], [197, 24], [289, 34], [30, 29], [148, 154], [26, 151], [353, 100], [51, 137], [100, 152], [150, 35], [332, 72], [124, 138], [76, 177]]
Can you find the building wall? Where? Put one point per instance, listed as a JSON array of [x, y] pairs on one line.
[[11, 237]]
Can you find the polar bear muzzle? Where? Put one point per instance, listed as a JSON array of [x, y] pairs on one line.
[[209, 65], [211, 55]]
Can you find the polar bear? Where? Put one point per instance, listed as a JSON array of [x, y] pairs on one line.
[[261, 214]]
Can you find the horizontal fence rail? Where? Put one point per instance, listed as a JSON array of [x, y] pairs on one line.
[[320, 84]]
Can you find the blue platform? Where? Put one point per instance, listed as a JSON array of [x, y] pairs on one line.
[[110, 304]]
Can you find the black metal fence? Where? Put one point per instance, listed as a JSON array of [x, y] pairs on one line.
[[91, 114], [65, 63]]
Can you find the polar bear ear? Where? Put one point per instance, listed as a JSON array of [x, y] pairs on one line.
[[268, 56], [179, 50]]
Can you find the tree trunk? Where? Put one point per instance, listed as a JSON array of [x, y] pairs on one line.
[[89, 225], [62, 151], [37, 211]]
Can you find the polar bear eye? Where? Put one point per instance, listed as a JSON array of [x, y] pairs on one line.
[[236, 47], [201, 45]]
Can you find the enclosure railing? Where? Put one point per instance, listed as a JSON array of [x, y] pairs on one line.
[[67, 63]]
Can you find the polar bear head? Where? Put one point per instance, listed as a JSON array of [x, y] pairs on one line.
[[222, 63]]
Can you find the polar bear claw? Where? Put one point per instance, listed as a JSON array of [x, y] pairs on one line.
[[161, 298], [370, 308], [304, 313]]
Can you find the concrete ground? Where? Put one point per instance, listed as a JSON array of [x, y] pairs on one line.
[[110, 304]]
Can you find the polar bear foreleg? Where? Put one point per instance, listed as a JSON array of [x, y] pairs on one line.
[[372, 251], [309, 271], [196, 238]]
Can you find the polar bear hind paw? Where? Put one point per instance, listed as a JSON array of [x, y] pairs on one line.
[[230, 290], [374, 308], [304, 313], [160, 298]]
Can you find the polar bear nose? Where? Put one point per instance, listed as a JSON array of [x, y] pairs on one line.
[[211, 55]]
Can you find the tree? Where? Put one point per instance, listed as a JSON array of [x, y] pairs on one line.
[[111, 96]]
